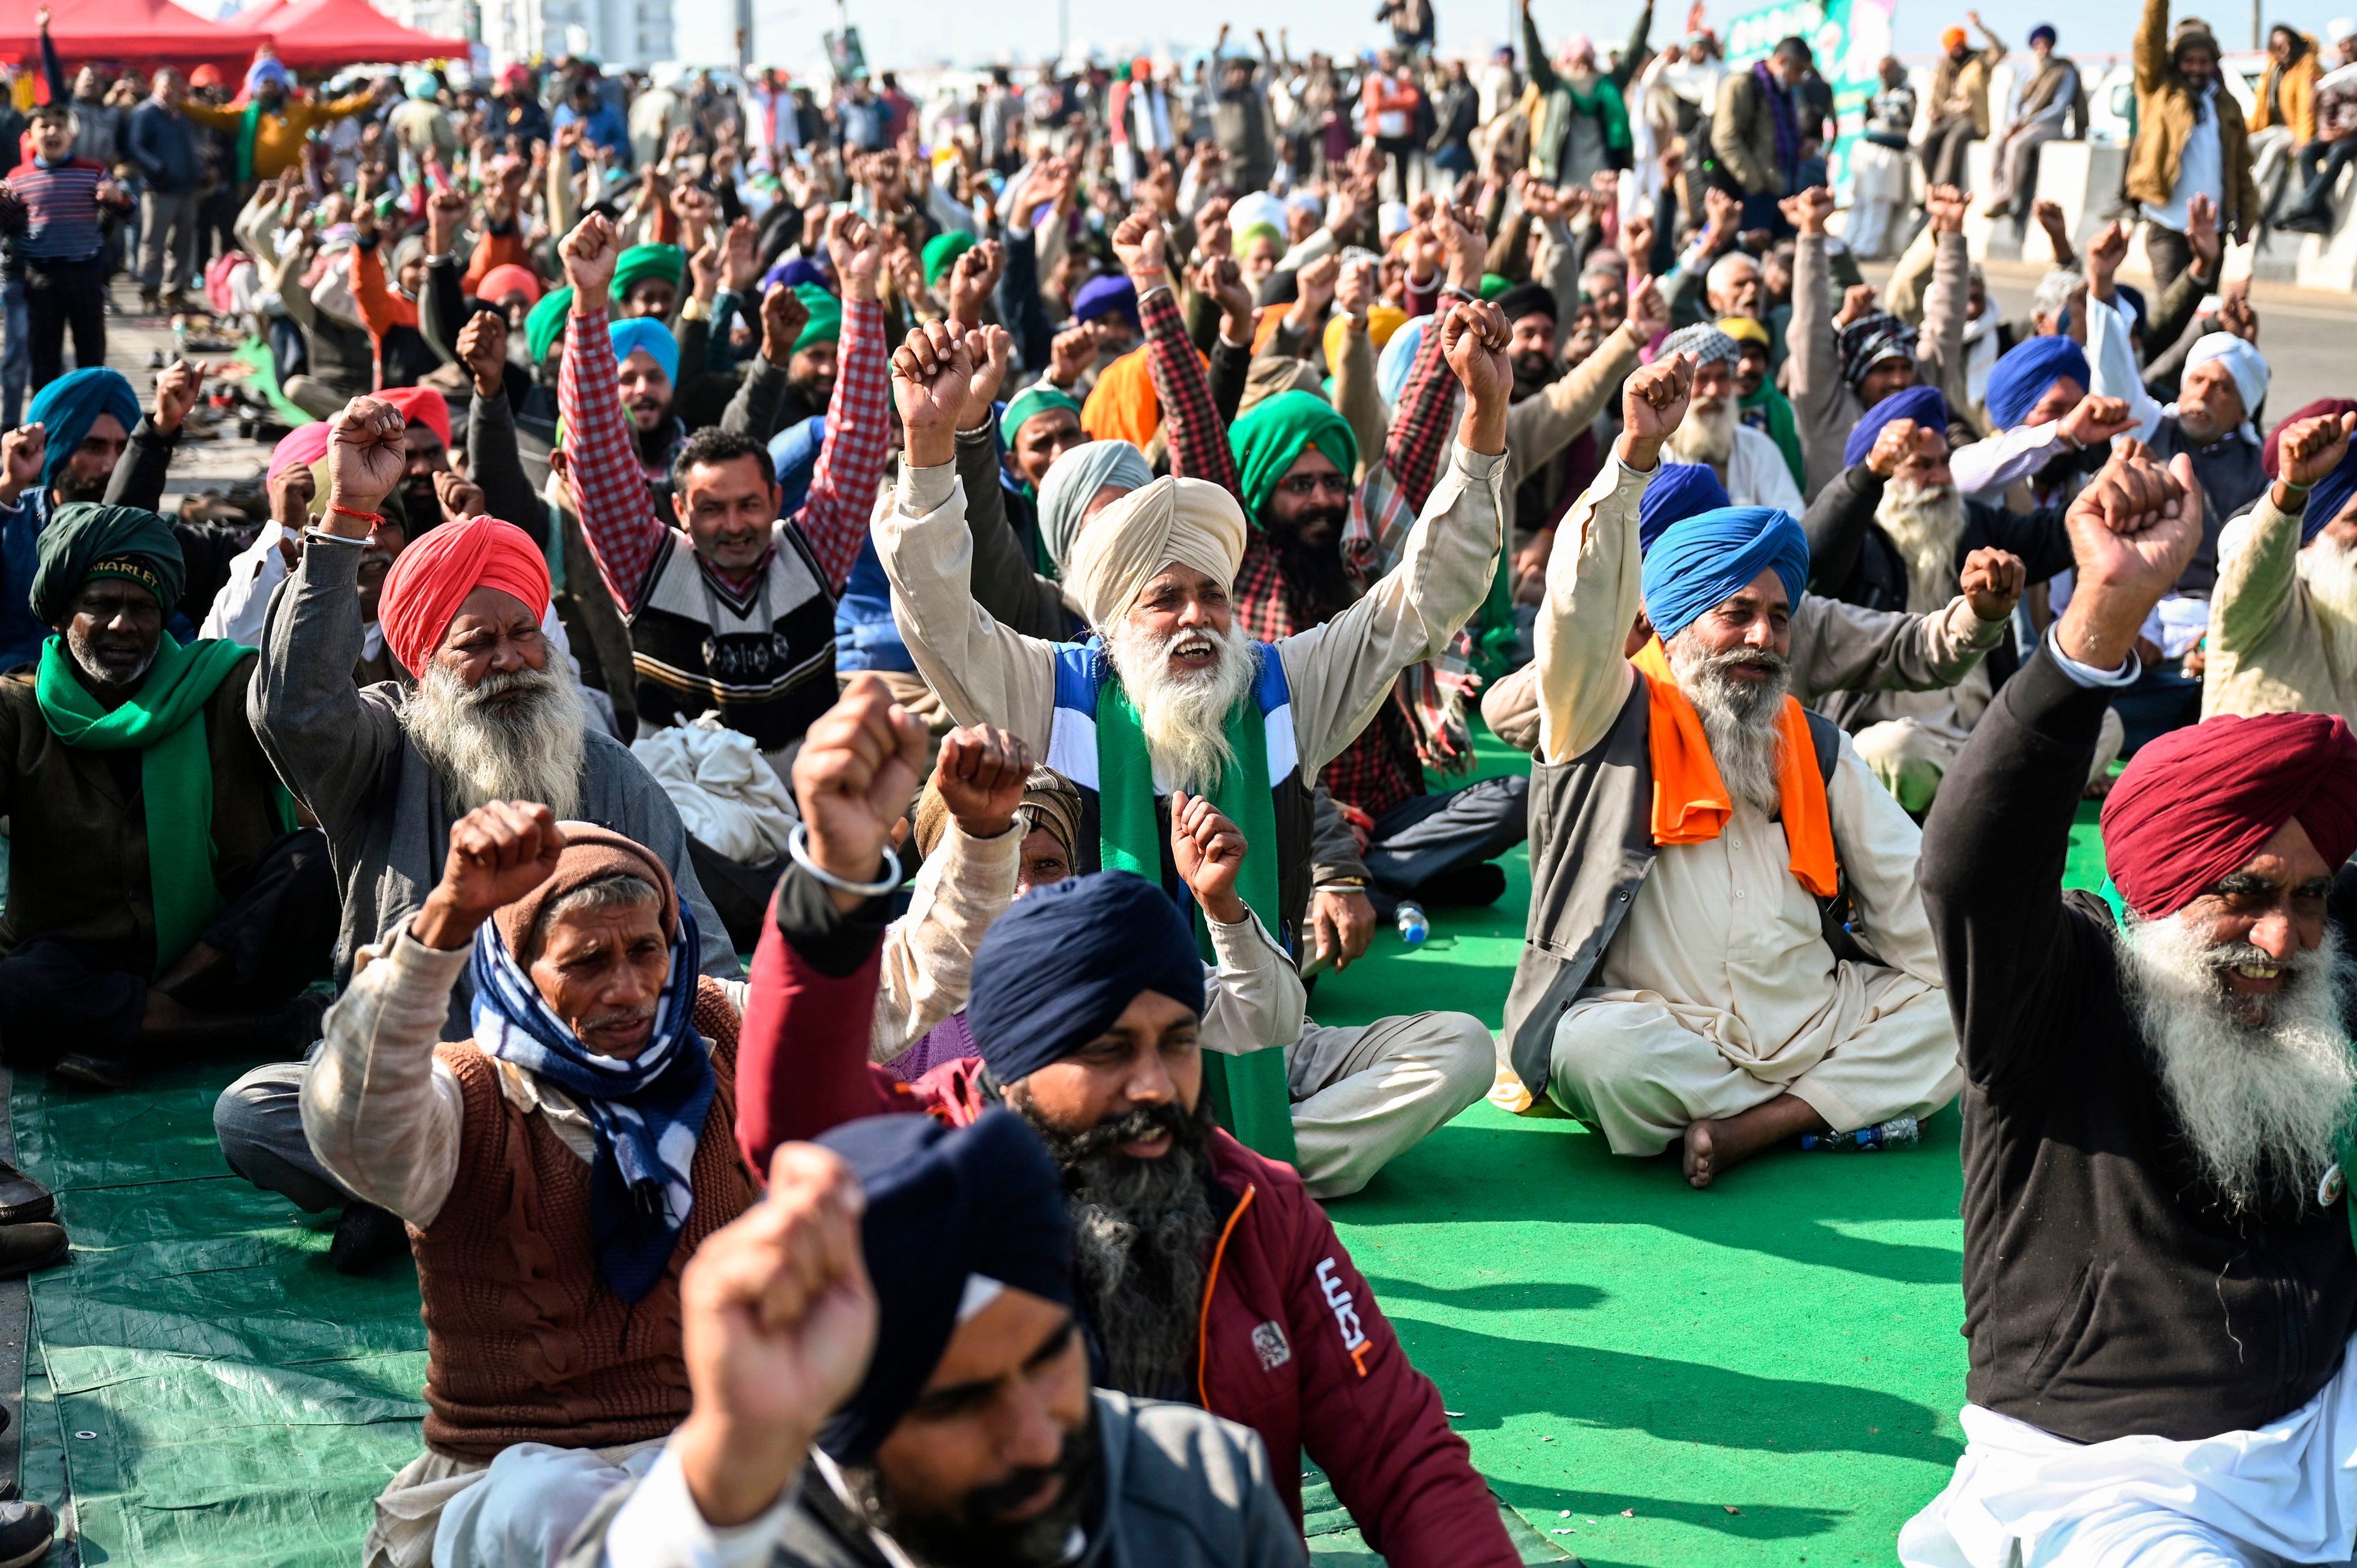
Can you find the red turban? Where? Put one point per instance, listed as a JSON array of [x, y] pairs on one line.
[[2197, 803], [422, 406], [433, 576], [507, 279], [2271, 450]]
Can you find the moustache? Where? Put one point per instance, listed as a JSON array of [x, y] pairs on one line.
[[1133, 1126]]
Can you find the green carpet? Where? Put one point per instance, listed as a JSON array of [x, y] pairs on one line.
[[1767, 1372]]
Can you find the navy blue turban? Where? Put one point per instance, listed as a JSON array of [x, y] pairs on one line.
[[1679, 492], [1106, 297], [1064, 962], [2024, 373], [1707, 560], [2332, 493], [951, 1214], [1924, 405]]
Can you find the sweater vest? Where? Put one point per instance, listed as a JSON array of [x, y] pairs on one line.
[[524, 1341], [764, 658], [1081, 670]]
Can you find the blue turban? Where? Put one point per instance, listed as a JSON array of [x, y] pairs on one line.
[[1707, 560], [1924, 405], [2332, 493], [801, 270], [793, 452], [952, 1214], [1063, 963], [68, 406], [1398, 358], [1679, 492], [1106, 297], [2024, 373], [645, 332], [2043, 31]]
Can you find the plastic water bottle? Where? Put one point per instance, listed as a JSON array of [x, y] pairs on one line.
[[1899, 1133], [1413, 927]]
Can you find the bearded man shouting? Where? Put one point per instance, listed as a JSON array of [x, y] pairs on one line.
[[2159, 1282], [1746, 461], [1170, 694]]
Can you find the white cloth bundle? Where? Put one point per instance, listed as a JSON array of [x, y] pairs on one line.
[[728, 794]]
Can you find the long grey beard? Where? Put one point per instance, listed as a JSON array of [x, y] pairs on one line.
[[1926, 521], [528, 751], [1738, 717], [2262, 1100], [1185, 717], [1706, 435]]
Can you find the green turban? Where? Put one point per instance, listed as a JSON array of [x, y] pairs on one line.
[[1270, 439], [87, 540], [546, 323], [1037, 398], [825, 323], [942, 252], [639, 262], [1493, 285]]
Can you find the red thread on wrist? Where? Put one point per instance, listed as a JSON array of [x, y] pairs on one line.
[[363, 516]]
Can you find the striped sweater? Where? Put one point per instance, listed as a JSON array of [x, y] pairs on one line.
[[50, 211]]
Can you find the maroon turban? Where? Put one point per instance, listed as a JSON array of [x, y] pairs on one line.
[[2197, 803], [2271, 450]]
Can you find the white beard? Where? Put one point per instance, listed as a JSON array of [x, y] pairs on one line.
[[1926, 521], [1738, 717], [1706, 435], [2263, 1104], [527, 751], [1184, 716]]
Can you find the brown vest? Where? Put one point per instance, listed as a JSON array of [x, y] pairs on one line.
[[524, 1341]]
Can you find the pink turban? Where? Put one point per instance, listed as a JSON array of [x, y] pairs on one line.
[[299, 447], [2197, 803], [507, 279], [422, 406], [433, 576]]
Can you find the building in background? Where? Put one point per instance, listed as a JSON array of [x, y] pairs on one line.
[[621, 35]]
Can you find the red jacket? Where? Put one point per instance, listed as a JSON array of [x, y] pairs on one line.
[[1292, 1343]]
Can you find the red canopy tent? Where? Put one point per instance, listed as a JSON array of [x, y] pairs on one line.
[[141, 33], [309, 34]]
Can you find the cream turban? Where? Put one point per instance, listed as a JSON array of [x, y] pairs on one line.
[[1186, 522]]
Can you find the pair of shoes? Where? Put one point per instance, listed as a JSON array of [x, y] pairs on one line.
[[365, 1237], [26, 1249], [26, 1531], [86, 1071], [2305, 223], [23, 1201]]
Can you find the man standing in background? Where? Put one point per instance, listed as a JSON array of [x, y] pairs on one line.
[[163, 147]]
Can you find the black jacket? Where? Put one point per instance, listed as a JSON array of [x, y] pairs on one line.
[[162, 145], [2107, 1291]]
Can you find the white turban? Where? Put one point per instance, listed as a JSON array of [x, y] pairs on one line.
[[2243, 362], [1172, 521], [2340, 28]]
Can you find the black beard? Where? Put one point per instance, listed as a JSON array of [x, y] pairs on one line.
[[424, 503], [1318, 585], [1140, 1230], [1533, 372], [71, 489], [973, 1533], [814, 392]]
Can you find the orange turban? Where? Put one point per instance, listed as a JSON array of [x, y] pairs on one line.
[[1122, 407], [422, 406], [433, 576]]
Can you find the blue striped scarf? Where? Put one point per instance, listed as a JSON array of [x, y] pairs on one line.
[[648, 1113]]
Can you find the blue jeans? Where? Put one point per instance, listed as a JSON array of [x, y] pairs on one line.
[[15, 350]]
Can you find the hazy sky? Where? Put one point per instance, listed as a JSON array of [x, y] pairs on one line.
[[967, 32]]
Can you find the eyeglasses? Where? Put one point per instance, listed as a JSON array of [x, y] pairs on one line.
[[1310, 483]]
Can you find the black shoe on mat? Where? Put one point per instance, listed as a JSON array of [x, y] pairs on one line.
[[25, 1248], [26, 1531]]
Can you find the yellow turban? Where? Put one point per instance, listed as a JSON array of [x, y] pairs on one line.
[[1743, 329], [1172, 521]]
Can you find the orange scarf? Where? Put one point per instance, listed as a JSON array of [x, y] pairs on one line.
[[1690, 799]]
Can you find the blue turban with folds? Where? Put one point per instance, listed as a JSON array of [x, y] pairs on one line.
[[1924, 405], [68, 406], [2025, 372], [645, 333], [1707, 559], [1679, 492], [1106, 297], [1063, 963], [2332, 493], [953, 1217]]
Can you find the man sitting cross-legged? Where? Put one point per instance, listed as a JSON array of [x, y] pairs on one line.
[[889, 1368], [2160, 1282], [161, 900], [554, 1170], [386, 770], [1206, 1271], [1695, 836], [1172, 694]]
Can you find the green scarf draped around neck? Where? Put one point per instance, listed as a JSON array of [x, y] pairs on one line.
[[1249, 1091], [164, 721]]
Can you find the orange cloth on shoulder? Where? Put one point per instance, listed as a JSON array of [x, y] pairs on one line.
[[1691, 804]]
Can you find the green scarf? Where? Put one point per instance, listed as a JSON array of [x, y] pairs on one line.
[[165, 722], [1248, 1091], [1782, 428], [248, 128]]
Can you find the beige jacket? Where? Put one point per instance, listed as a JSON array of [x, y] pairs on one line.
[[2270, 650]]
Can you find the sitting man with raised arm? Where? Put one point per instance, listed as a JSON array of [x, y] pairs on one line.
[[1206, 1274], [2283, 616], [1747, 462], [1171, 693], [1658, 999], [385, 770], [2160, 1282], [888, 1367], [555, 1170]]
